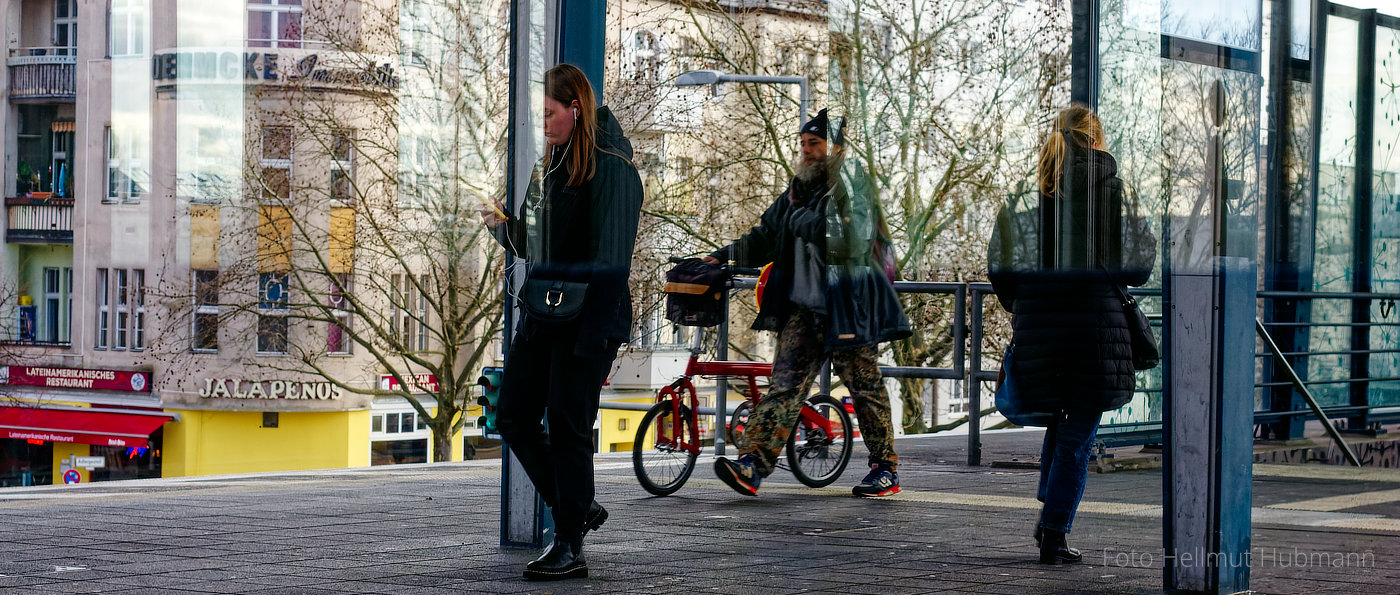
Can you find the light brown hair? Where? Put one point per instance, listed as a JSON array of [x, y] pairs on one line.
[[566, 84], [1076, 121]]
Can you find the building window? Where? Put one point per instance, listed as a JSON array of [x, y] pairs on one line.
[[417, 168], [338, 333], [274, 23], [342, 167], [128, 28], [206, 311], [65, 27], [272, 313], [138, 299], [277, 162], [646, 59], [414, 32], [103, 315], [422, 314], [54, 297], [123, 321], [123, 169]]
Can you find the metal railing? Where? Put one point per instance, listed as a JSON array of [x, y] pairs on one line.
[[39, 222], [967, 333], [43, 73]]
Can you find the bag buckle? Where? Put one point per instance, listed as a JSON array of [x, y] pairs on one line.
[[553, 298]]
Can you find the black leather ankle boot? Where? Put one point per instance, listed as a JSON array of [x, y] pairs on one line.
[[563, 559], [1054, 549], [595, 518]]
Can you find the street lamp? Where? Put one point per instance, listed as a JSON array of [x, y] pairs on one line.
[[697, 78]]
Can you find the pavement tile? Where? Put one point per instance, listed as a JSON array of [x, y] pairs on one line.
[[374, 531]]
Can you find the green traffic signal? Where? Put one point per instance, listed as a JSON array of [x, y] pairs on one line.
[[490, 382]]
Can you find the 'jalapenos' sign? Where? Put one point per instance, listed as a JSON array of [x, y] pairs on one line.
[[234, 388]]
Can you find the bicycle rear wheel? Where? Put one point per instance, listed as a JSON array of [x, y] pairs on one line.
[[738, 423], [665, 449], [818, 452]]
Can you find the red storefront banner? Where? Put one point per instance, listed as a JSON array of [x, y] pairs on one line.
[[80, 378], [103, 427]]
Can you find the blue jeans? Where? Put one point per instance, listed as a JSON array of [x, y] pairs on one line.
[[1064, 466]]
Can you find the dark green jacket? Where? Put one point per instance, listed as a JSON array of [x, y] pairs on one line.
[[587, 234]]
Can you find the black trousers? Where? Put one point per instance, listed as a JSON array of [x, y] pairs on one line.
[[543, 379]]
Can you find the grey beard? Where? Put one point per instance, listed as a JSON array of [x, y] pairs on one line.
[[809, 172]]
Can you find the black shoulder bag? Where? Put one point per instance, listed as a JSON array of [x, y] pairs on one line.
[[552, 300], [1145, 353]]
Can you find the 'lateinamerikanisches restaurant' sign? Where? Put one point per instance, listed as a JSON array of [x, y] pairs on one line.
[[80, 378]]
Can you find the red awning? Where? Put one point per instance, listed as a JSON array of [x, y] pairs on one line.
[[104, 427]]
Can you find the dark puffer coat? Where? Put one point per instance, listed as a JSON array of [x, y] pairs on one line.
[[587, 234], [839, 218], [1073, 348]]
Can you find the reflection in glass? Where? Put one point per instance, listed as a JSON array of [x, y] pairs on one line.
[[1385, 218], [1336, 184]]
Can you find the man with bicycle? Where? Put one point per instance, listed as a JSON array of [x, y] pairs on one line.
[[828, 295]]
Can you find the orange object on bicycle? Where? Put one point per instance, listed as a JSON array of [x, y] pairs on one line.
[[762, 281]]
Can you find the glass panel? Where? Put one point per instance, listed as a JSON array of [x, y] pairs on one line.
[[1385, 222], [1235, 23], [259, 28], [1333, 254], [289, 30]]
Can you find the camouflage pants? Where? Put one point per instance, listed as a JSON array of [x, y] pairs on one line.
[[801, 350]]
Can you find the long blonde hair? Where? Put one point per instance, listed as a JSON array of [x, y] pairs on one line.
[[566, 84], [1079, 122]]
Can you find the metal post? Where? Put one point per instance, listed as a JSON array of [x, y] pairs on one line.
[[1209, 404], [1361, 220], [722, 382], [524, 521], [974, 385], [1084, 53]]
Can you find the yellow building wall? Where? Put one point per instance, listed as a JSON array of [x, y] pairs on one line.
[[63, 450], [617, 429], [217, 442]]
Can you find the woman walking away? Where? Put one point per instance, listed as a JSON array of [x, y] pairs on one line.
[[1057, 261], [577, 230]]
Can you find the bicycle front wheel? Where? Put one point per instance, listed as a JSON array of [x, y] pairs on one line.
[[820, 446], [665, 449]]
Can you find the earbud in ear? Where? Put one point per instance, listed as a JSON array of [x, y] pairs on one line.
[[575, 113]]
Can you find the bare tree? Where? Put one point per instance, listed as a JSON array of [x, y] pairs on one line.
[[372, 262], [944, 105]]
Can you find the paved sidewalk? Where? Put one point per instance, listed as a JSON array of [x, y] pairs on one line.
[[433, 529]]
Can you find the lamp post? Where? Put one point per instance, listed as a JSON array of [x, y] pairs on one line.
[[697, 78], [700, 78]]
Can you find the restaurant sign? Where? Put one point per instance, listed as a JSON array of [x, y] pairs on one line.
[[237, 388], [81, 378]]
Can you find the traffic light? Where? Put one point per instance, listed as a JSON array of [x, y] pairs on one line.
[[490, 382]]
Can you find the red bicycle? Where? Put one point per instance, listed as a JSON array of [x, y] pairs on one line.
[[668, 440]]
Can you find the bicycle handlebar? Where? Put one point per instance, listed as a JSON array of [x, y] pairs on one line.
[[732, 270]]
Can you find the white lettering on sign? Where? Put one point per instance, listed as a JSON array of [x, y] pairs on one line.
[[233, 388]]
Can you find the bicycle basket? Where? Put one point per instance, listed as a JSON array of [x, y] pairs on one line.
[[695, 293]]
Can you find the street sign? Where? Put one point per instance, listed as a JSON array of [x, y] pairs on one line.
[[89, 462], [72, 476]]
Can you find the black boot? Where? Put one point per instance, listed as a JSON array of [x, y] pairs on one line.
[[597, 515], [1054, 549], [563, 559]]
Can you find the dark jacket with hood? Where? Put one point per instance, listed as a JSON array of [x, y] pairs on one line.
[[585, 233], [1071, 340], [838, 219]]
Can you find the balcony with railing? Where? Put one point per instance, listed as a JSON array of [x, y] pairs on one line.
[[42, 74], [39, 220]]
